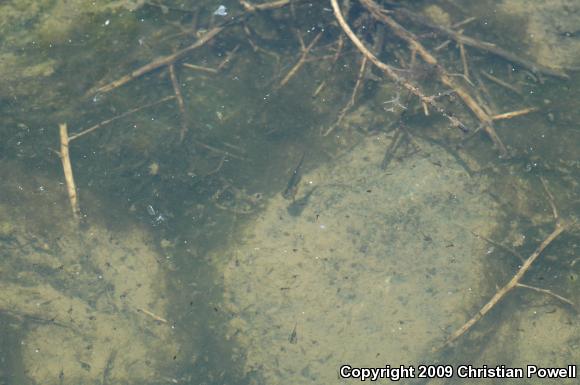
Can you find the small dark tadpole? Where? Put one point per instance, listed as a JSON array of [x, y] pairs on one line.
[[295, 177], [293, 337]]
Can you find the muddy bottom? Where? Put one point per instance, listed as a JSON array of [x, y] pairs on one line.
[[376, 267]]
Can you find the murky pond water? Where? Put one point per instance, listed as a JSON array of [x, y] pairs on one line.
[[267, 192]]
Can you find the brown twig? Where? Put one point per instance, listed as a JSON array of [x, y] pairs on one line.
[[300, 63], [258, 48], [159, 62], [68, 172], [442, 45], [165, 8], [548, 292], [501, 293], [319, 89], [217, 150], [334, 59], [390, 152], [444, 77], [180, 102], [550, 198], [485, 92], [339, 47], [482, 45], [228, 58], [110, 120], [219, 166], [513, 114], [152, 315], [501, 83], [498, 244], [515, 281], [390, 71], [463, 22], [200, 68], [463, 55], [264, 6], [352, 100]]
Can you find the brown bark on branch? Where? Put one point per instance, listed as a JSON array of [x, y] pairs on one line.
[[444, 77], [390, 71], [68, 172]]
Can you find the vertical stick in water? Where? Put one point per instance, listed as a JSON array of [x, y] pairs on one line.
[[68, 173]]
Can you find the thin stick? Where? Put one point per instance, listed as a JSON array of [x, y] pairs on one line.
[[200, 68], [425, 108], [335, 57], [444, 77], [464, 22], [352, 100], [180, 102], [217, 150], [482, 45], [515, 281], [68, 172], [257, 48], [388, 70], [390, 152], [506, 248], [488, 98], [319, 88], [110, 120], [501, 83], [442, 45], [320, 58], [359, 81], [228, 58], [513, 114], [234, 147], [339, 47], [464, 60], [550, 198], [501, 293], [548, 292], [300, 62], [159, 62], [165, 8], [221, 163], [261, 7], [152, 315]]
